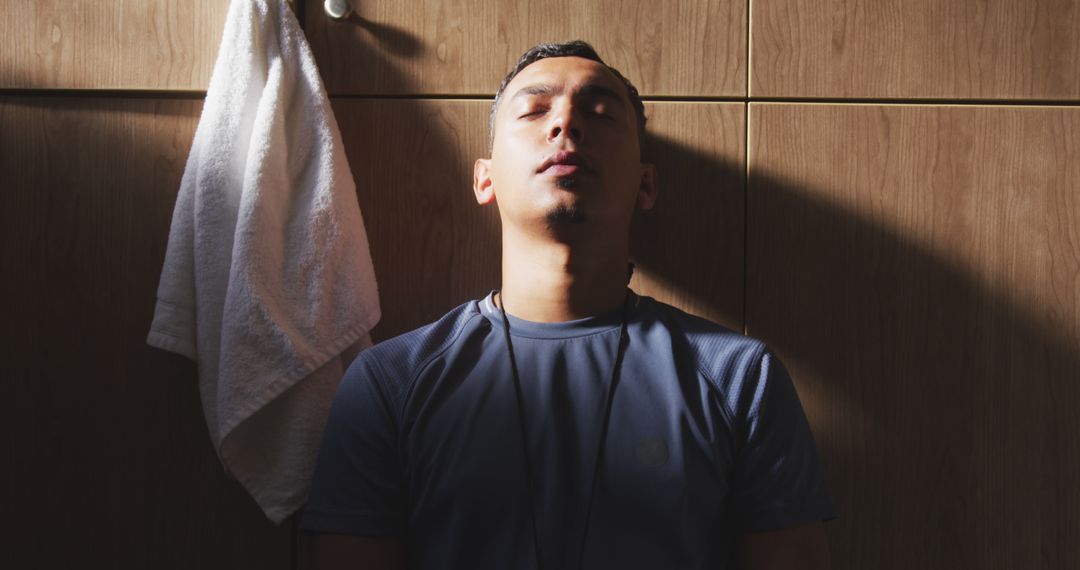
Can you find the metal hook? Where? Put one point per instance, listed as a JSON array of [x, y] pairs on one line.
[[338, 9]]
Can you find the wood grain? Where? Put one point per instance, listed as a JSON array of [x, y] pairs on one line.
[[689, 248], [918, 268], [79, 44], [466, 47], [109, 463], [956, 49], [434, 247]]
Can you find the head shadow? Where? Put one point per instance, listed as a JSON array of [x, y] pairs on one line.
[[923, 382]]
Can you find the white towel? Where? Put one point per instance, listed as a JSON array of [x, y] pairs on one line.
[[267, 279]]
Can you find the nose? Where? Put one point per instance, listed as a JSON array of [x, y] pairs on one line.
[[565, 123]]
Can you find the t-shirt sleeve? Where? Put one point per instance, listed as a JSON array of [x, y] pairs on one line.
[[778, 479], [357, 487]]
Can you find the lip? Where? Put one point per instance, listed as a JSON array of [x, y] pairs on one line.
[[563, 163]]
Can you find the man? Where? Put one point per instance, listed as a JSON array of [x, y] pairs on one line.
[[564, 422]]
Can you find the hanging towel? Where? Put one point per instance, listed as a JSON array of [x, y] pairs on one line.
[[268, 283]]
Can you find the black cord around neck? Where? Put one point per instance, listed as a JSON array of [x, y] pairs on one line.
[[620, 350]]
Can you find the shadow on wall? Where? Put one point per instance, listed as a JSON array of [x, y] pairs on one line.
[[111, 431], [118, 431], [397, 41], [432, 246], [936, 399]]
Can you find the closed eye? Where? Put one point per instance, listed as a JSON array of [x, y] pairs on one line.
[[532, 113], [600, 109]]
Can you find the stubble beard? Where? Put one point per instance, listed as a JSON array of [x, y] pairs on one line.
[[563, 215]]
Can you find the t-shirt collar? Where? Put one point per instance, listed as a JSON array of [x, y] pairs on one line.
[[567, 329]]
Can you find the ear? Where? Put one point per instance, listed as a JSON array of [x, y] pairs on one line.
[[482, 185], [647, 187]]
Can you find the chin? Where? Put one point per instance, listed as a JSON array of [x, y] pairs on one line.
[[564, 215]]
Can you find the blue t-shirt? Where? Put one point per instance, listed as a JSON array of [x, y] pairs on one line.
[[706, 440]]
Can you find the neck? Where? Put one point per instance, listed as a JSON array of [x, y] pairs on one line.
[[548, 281]]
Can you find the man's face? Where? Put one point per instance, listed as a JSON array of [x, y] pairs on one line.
[[565, 150]]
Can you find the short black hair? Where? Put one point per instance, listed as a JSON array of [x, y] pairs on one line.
[[576, 48]]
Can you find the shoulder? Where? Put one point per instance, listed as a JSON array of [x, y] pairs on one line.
[[742, 370], [719, 352], [395, 362]]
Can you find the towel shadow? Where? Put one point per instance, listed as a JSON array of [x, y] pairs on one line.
[[394, 40], [359, 56]]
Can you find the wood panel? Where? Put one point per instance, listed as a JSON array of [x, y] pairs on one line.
[[434, 247], [694, 47], [918, 268], [956, 49], [149, 44], [108, 460], [689, 247]]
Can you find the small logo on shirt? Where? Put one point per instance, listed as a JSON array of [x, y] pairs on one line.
[[651, 452]]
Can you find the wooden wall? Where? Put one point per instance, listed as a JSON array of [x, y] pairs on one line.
[[887, 192]]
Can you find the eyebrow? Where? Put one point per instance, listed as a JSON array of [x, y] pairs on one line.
[[538, 89], [594, 90]]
